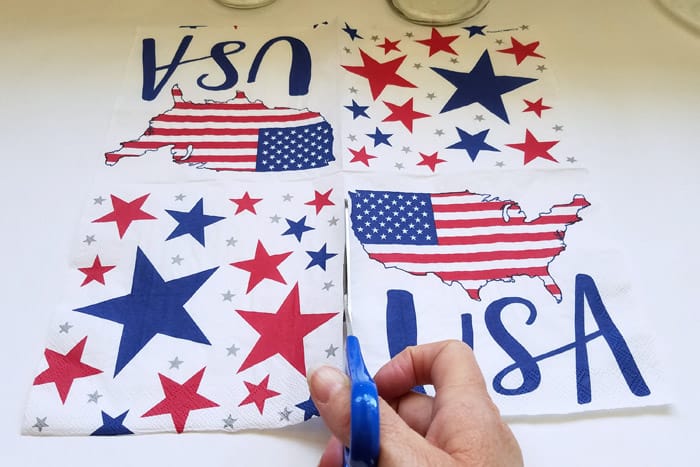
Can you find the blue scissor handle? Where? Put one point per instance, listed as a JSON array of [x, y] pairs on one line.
[[364, 410]]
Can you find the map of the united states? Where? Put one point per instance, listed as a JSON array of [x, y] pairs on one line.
[[462, 237], [236, 135]]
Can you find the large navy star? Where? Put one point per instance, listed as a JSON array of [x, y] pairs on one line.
[[192, 222], [112, 426], [319, 258], [472, 143], [154, 306], [481, 86], [297, 228]]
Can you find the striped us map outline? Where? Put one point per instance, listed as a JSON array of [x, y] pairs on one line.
[[478, 229], [234, 135]]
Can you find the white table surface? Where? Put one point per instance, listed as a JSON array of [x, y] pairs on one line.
[[630, 74]]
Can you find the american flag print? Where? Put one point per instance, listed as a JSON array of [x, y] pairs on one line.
[[463, 237], [194, 307], [427, 101], [235, 135]]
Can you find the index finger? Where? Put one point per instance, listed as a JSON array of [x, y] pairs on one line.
[[447, 365]]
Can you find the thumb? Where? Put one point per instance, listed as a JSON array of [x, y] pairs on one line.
[[330, 391], [399, 445]]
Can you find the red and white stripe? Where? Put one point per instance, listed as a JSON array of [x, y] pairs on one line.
[[218, 135], [481, 241]]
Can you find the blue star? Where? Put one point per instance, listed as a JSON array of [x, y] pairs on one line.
[[319, 258], [154, 306], [474, 30], [351, 32], [192, 222], [309, 409], [379, 137], [297, 228], [357, 110], [481, 86], [112, 426], [473, 143]]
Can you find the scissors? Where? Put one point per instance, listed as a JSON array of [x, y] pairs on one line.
[[364, 401]]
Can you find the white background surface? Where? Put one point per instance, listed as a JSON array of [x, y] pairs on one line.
[[629, 73]]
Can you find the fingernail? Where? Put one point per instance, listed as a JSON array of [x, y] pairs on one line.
[[326, 381]]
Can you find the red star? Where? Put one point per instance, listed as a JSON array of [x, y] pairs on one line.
[[321, 200], [125, 212], [96, 272], [532, 149], [403, 113], [258, 394], [180, 400], [430, 160], [522, 51], [63, 369], [361, 156], [245, 203], [536, 107], [380, 75], [282, 332], [262, 266], [388, 46], [438, 42]]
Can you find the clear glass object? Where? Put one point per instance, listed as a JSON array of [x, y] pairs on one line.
[[439, 12], [245, 3]]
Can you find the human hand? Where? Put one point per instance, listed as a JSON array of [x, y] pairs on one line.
[[459, 427]]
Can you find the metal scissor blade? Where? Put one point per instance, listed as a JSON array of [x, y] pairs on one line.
[[346, 274]]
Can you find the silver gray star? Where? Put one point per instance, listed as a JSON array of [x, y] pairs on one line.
[[347, 50], [228, 296], [405, 149], [499, 41], [500, 164], [275, 219], [229, 421], [175, 363], [333, 221], [439, 132], [399, 166], [431, 96], [409, 34], [353, 90], [541, 68], [40, 424], [177, 259], [284, 415], [352, 137], [558, 127], [94, 397], [231, 242], [179, 197], [524, 27], [479, 118], [417, 66], [99, 200], [375, 38], [89, 239], [65, 327], [328, 285], [330, 351], [454, 60], [287, 197], [233, 350], [571, 159]]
